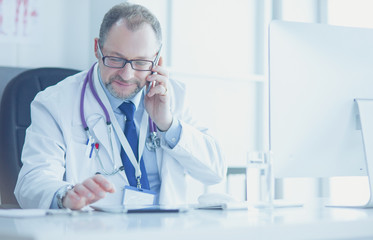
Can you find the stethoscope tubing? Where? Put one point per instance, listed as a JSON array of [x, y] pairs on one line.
[[89, 80]]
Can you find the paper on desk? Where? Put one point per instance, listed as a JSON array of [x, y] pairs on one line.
[[26, 213]]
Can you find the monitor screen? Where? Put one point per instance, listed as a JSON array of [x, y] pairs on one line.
[[315, 73]]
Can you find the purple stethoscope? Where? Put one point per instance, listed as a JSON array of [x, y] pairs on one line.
[[152, 141]]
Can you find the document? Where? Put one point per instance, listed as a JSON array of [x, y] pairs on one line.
[[27, 213]]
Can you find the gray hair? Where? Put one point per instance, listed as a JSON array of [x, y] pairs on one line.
[[135, 16]]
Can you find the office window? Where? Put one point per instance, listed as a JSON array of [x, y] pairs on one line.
[[211, 37], [298, 11], [357, 13]]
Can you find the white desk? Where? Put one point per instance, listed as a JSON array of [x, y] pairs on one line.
[[312, 221]]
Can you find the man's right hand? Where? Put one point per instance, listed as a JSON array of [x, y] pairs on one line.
[[90, 191]]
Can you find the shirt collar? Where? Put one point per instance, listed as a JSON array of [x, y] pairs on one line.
[[116, 102]]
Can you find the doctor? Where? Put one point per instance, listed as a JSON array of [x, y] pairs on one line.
[[80, 147]]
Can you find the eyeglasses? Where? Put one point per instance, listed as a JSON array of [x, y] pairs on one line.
[[117, 62]]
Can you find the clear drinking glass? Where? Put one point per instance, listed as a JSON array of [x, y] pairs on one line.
[[259, 173]]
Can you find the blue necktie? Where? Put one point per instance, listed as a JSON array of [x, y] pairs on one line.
[[128, 108]]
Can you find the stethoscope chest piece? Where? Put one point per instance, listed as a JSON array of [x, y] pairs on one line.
[[153, 142]]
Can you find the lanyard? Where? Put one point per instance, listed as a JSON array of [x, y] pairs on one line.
[[126, 146]]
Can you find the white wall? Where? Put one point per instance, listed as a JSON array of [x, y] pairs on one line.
[[65, 33], [97, 9]]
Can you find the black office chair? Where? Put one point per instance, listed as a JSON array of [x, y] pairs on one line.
[[15, 118]]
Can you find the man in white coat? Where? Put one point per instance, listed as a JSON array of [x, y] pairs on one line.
[[77, 126]]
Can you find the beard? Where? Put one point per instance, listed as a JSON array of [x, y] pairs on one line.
[[119, 94]]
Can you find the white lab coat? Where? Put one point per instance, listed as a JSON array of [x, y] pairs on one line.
[[54, 153]]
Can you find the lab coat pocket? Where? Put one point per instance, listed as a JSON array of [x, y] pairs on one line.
[[82, 161], [79, 165], [102, 133]]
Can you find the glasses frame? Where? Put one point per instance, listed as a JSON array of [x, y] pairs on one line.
[[125, 61]]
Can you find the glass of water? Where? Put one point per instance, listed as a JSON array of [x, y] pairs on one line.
[[259, 177]]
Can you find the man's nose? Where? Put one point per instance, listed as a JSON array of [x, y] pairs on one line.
[[127, 71]]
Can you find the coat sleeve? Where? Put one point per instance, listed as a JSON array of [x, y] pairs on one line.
[[197, 151]]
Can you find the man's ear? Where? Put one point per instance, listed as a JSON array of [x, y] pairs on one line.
[[98, 56]]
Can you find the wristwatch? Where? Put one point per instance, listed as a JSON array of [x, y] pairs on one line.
[[61, 193]]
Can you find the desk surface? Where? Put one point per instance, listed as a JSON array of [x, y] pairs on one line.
[[313, 221]]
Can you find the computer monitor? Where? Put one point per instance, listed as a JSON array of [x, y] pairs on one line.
[[316, 71]]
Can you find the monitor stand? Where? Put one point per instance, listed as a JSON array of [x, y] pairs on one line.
[[365, 109]]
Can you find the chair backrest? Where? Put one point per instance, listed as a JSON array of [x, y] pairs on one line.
[[15, 118], [7, 74]]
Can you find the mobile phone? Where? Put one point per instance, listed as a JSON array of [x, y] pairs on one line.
[[156, 60]]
